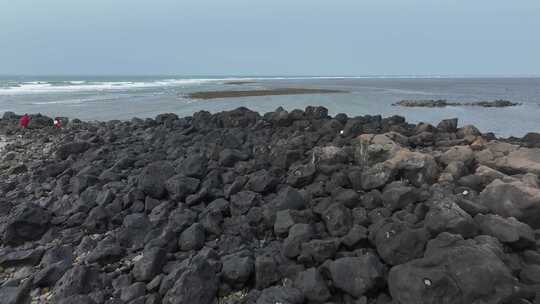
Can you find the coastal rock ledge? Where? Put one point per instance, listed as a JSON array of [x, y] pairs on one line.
[[286, 207]]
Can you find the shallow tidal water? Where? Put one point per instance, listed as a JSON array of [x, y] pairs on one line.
[[105, 98]]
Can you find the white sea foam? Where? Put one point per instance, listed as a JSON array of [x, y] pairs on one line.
[[39, 87]]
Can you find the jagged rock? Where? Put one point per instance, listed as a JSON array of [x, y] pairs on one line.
[[446, 216], [338, 219], [133, 292], [397, 196], [356, 275], [318, 251], [27, 222], [301, 175], [397, 243], [298, 234], [453, 270], [242, 201], [180, 186], [10, 258], [283, 295], [150, 264], [448, 125], [266, 271], [513, 199], [228, 157], [72, 148], [261, 181], [289, 198], [107, 251], [79, 280], [237, 268], [194, 165], [458, 153], [197, 283], [192, 238], [506, 230], [312, 285], [153, 177], [329, 155]]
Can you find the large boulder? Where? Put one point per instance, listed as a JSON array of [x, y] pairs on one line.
[[78, 280], [514, 199], [68, 149], [146, 268], [283, 295], [458, 153], [39, 121], [329, 155], [237, 267], [356, 275], [196, 283], [370, 149], [453, 271], [506, 230], [179, 186], [446, 216], [27, 222], [153, 177], [338, 219], [398, 243], [523, 160], [312, 285]]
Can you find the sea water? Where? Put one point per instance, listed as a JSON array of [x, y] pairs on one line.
[[121, 97]]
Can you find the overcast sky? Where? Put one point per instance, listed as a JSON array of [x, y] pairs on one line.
[[270, 37]]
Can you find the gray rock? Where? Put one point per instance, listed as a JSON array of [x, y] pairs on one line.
[[509, 231], [397, 243], [513, 199], [356, 275], [133, 292], [77, 280], [289, 198], [338, 219], [150, 264], [283, 295], [192, 238], [446, 215], [237, 268], [197, 283], [64, 151], [27, 222], [453, 270], [153, 177], [179, 186], [298, 234], [312, 285]]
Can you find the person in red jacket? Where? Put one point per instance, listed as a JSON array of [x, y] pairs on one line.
[[23, 122], [57, 123]]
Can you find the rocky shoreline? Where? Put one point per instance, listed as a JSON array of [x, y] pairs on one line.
[[441, 103], [286, 207]]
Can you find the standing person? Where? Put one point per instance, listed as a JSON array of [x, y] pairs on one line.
[[57, 123], [23, 122]]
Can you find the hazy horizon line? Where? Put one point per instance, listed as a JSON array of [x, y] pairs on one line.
[[283, 75]]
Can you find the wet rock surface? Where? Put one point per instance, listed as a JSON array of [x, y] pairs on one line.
[[285, 207]]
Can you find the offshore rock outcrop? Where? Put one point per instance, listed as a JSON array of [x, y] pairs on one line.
[[286, 207], [441, 103]]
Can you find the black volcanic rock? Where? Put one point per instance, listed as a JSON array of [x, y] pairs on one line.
[[292, 206]]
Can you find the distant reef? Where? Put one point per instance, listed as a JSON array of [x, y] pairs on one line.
[[265, 92], [441, 103]]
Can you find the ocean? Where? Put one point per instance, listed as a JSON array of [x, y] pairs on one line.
[[120, 97]]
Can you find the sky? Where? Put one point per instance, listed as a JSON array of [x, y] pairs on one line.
[[270, 37]]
